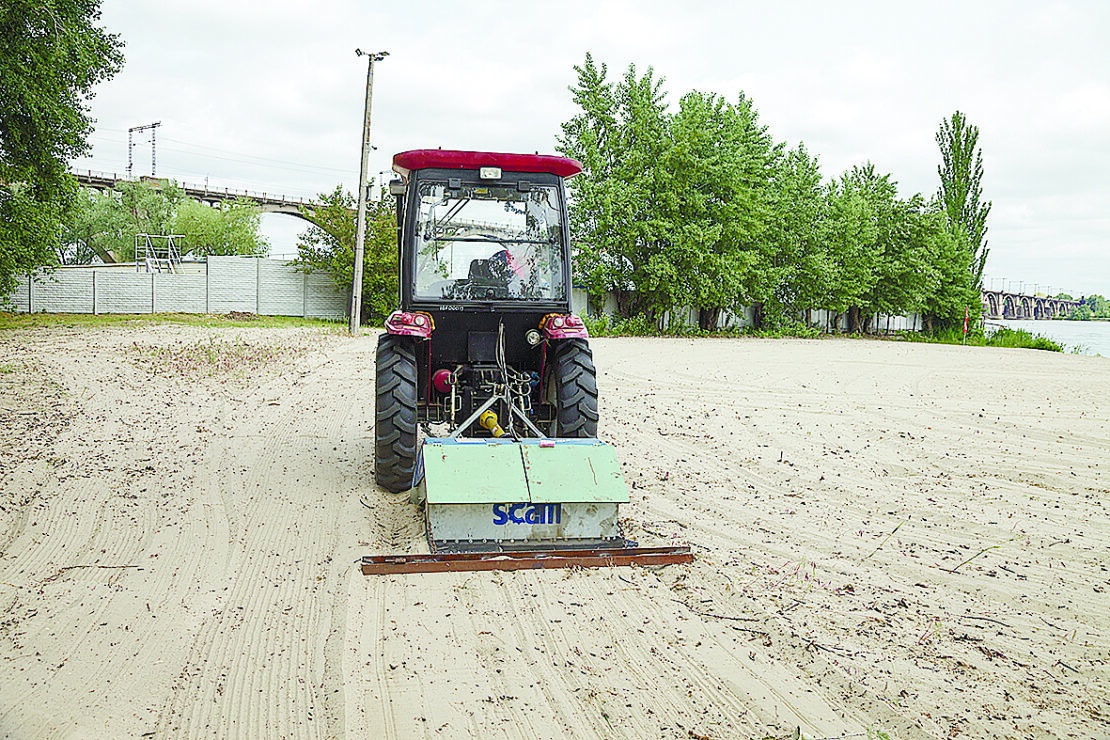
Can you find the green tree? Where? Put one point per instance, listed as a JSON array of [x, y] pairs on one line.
[[793, 270], [80, 229], [106, 223], [717, 205], [621, 136], [148, 207], [1082, 312], [329, 246], [947, 291], [1100, 307], [702, 208], [961, 186], [848, 234], [867, 266], [232, 228], [52, 54]]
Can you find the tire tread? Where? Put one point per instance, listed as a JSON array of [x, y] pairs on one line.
[[576, 389], [395, 413]]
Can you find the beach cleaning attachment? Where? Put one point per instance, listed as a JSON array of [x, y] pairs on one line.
[[503, 504], [497, 494]]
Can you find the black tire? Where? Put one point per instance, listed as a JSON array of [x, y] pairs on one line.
[[575, 389], [395, 415]]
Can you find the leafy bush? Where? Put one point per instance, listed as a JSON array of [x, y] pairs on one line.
[[610, 326], [1081, 313], [786, 327], [1024, 339], [641, 326]]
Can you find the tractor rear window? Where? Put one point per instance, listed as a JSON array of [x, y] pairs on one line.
[[489, 242]]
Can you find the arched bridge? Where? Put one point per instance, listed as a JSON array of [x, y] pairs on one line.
[[267, 202], [998, 304]]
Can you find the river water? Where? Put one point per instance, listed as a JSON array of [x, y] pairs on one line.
[[1084, 337]]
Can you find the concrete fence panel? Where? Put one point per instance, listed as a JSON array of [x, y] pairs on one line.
[[53, 291], [19, 300], [232, 284], [324, 299], [180, 293], [116, 292], [223, 284], [281, 290]]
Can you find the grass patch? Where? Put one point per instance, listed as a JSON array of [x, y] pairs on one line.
[[6, 369], [212, 356], [1012, 338], [88, 320]]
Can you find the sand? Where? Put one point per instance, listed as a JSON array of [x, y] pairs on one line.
[[890, 537]]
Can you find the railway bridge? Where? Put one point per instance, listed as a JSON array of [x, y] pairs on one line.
[[999, 304], [268, 202]]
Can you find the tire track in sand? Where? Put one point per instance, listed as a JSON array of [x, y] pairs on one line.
[[283, 475], [86, 556], [596, 654]]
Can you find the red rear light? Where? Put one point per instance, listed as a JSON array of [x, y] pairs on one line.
[[563, 326], [412, 324]]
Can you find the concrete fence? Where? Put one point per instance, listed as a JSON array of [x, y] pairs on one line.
[[219, 285], [272, 288]]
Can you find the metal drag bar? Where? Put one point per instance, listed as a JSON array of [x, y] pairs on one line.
[[376, 565]]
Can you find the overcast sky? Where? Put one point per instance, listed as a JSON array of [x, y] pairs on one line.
[[269, 95]]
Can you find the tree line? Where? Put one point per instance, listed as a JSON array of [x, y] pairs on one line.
[[1091, 307], [702, 207]]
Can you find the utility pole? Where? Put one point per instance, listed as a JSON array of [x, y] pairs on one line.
[[360, 231], [130, 144]]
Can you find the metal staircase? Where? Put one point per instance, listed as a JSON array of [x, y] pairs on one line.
[[158, 253]]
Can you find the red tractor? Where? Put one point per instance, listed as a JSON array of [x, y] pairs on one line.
[[484, 344]]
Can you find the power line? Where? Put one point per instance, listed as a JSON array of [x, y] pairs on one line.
[[224, 154], [260, 162], [248, 157]]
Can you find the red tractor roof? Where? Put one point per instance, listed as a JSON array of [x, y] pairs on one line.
[[417, 159]]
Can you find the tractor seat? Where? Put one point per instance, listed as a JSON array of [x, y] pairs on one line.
[[480, 270]]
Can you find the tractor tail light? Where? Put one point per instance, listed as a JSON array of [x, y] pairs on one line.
[[564, 326], [410, 324]]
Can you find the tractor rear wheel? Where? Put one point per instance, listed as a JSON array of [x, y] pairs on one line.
[[395, 415], [575, 389]]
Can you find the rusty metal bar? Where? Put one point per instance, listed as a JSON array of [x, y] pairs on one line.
[[376, 565]]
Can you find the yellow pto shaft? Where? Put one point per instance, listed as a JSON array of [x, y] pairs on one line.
[[488, 420]]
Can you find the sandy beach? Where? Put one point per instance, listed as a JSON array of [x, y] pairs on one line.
[[890, 537]]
